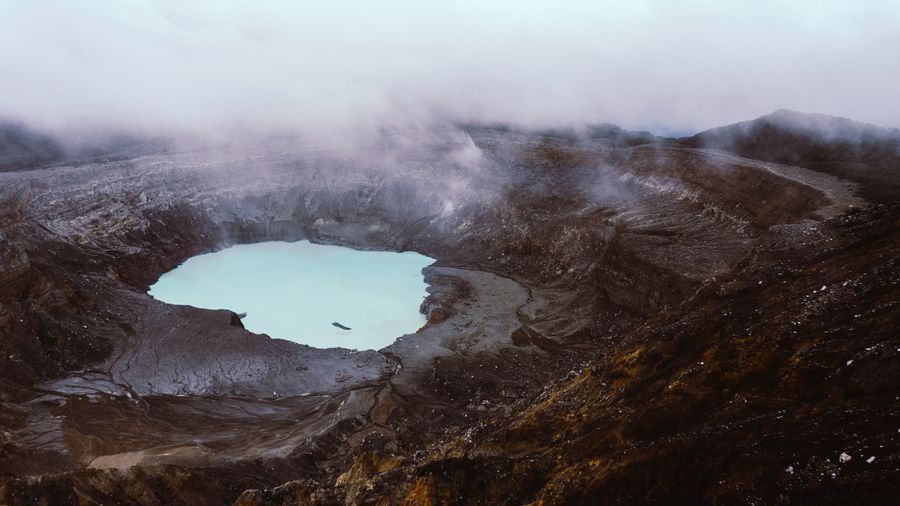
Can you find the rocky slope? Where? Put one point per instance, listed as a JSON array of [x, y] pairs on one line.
[[613, 318]]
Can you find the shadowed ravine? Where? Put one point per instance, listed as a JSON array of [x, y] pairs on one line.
[[626, 320]]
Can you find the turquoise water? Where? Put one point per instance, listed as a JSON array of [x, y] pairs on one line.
[[296, 290]]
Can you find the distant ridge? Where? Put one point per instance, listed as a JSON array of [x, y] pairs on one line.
[[614, 134], [856, 151], [860, 152], [22, 148]]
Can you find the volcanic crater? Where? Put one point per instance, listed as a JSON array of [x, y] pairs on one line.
[[615, 316]]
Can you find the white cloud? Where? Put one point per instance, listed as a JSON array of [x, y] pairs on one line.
[[224, 67]]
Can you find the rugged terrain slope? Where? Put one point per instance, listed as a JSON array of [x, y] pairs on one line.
[[613, 318]]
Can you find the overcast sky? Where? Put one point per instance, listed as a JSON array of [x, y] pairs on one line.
[[218, 67]]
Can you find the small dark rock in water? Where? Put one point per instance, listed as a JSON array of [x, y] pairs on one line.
[[338, 325]]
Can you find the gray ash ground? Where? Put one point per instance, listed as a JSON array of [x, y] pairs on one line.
[[618, 319]]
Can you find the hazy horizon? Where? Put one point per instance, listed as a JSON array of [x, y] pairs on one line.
[[213, 69]]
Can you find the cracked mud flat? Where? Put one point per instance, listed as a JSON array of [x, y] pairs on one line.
[[574, 346]]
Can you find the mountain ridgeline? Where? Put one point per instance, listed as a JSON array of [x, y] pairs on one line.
[[23, 149], [866, 154], [859, 152]]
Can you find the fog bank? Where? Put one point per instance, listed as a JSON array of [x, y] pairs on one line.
[[328, 69]]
